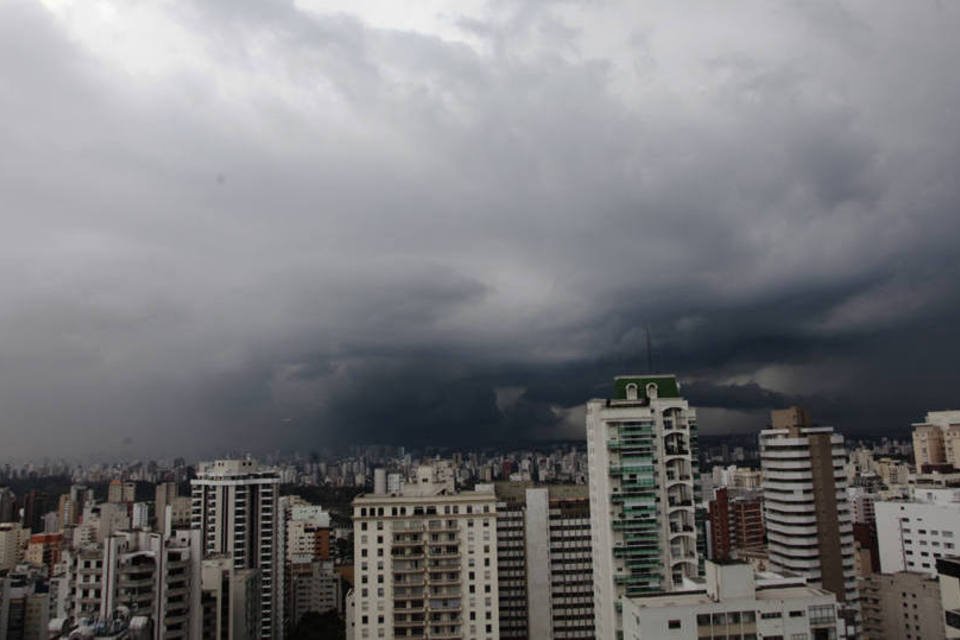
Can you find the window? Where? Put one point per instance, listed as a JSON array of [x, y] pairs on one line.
[[797, 614], [673, 624]]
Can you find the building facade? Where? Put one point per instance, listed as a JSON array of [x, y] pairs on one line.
[[641, 449], [901, 606], [426, 562], [544, 561], [735, 603], [808, 522], [235, 507], [912, 534]]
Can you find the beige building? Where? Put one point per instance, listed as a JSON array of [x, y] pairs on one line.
[[936, 440], [901, 606], [13, 541], [425, 562]]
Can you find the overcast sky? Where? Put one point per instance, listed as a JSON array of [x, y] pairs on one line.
[[261, 224]]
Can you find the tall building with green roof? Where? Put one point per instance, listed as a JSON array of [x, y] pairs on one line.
[[642, 451]]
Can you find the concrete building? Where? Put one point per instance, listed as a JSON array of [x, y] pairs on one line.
[[912, 534], [24, 605], [149, 576], [734, 602], [13, 542], [312, 584], [119, 491], [809, 528], [736, 523], [235, 506], [544, 561], [230, 601], [641, 450], [948, 571], [901, 606], [426, 561], [936, 440], [43, 550]]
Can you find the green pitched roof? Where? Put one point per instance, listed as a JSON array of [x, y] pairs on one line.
[[667, 386]]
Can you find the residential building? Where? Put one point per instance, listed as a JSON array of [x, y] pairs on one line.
[[235, 506], [936, 440], [43, 549], [544, 561], [736, 523], [912, 534], [901, 606], [426, 561], [230, 600], [734, 602], [312, 583], [13, 540], [809, 528], [24, 605], [119, 491], [948, 571], [641, 450]]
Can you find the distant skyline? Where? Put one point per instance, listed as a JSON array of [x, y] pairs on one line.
[[277, 224]]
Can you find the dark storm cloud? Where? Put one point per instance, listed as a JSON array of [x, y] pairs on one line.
[[277, 224]]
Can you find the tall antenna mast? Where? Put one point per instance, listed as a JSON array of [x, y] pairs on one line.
[[649, 353]]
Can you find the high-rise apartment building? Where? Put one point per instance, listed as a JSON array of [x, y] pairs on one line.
[[936, 440], [235, 506], [809, 529], [425, 562], [544, 561], [312, 584], [641, 448]]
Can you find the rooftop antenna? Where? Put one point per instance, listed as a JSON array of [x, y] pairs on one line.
[[649, 353]]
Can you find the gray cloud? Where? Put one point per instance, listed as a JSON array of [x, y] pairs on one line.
[[275, 224]]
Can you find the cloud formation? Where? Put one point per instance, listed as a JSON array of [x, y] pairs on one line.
[[274, 224]]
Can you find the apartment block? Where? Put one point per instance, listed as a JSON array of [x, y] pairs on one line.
[[544, 561], [734, 602], [901, 606], [809, 528], [426, 561], [936, 440], [641, 450], [912, 534]]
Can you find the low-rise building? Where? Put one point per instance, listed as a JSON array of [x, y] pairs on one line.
[[901, 606], [734, 602]]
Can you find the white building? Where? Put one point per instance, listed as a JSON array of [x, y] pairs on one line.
[[544, 561], [948, 570], [735, 603], [425, 562], [913, 534], [13, 542], [641, 450], [235, 506], [809, 528]]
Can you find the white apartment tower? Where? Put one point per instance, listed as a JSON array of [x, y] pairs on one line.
[[641, 449], [809, 527], [426, 562], [235, 506]]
